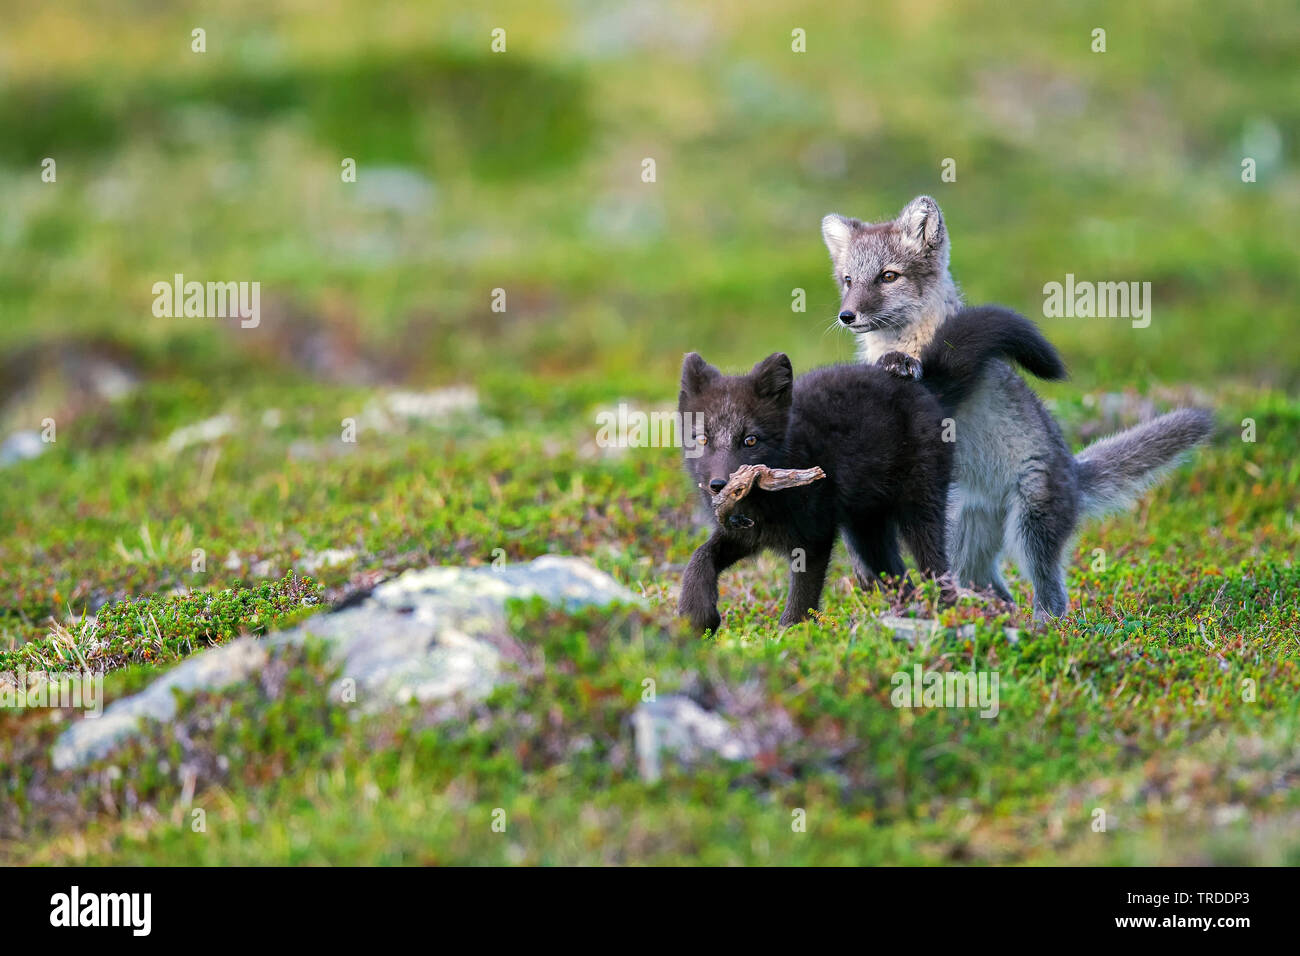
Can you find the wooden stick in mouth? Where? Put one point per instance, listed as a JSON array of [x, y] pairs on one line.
[[744, 478]]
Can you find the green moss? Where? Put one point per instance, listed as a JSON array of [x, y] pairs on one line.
[[1120, 166], [451, 111], [162, 630]]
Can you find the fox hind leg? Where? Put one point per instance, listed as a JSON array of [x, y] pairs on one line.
[[873, 553], [923, 533], [975, 544], [1044, 516], [924, 538], [807, 582]]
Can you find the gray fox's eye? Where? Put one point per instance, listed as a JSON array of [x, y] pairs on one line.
[[848, 281], [888, 276], [750, 441]]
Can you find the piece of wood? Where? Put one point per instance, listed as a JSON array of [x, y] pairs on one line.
[[744, 478]]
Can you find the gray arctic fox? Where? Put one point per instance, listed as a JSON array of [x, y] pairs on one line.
[[1015, 482]]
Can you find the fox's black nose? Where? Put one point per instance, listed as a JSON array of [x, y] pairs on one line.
[[846, 316], [717, 484]]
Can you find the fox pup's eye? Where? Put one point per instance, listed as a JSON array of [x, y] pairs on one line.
[[888, 276], [848, 281], [702, 439], [750, 441]]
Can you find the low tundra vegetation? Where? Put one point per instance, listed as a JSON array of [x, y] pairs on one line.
[[208, 481]]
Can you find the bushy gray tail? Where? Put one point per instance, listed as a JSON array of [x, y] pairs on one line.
[[951, 365], [1115, 470]]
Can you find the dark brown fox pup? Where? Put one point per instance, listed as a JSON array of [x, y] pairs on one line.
[[880, 436]]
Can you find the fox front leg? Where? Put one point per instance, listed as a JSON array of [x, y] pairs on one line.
[[807, 578], [699, 598], [901, 364]]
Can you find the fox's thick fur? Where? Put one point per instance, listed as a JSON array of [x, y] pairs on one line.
[[878, 437], [1015, 480]]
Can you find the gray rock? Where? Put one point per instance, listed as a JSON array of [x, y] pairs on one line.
[[201, 433], [93, 737], [918, 629], [396, 189], [427, 635], [911, 629], [679, 726], [329, 558], [21, 446]]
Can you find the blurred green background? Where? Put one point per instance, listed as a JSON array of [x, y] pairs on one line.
[[522, 171]]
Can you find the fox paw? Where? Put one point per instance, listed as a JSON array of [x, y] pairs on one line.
[[900, 364], [702, 615]]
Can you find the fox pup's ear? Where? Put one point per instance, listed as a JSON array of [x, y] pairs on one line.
[[921, 224], [696, 373], [773, 377], [837, 230]]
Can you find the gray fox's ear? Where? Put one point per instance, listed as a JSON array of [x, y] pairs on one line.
[[837, 230], [773, 376], [696, 373], [921, 224]]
